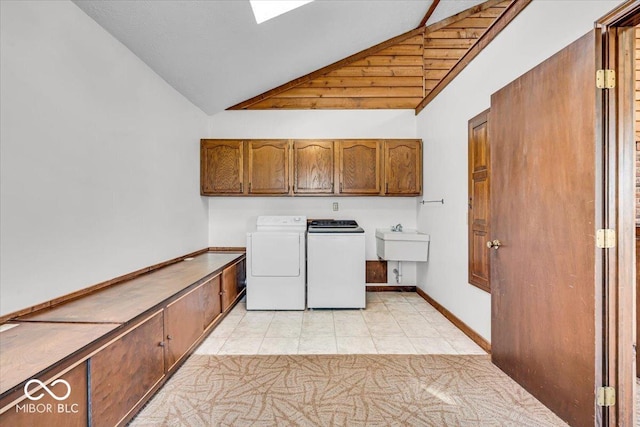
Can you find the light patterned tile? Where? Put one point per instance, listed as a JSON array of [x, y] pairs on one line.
[[288, 315], [285, 329], [415, 325], [376, 307], [317, 345], [466, 346], [400, 307], [250, 329], [241, 345], [385, 329], [318, 316], [225, 328], [355, 345], [318, 329], [355, 327], [277, 345], [373, 297], [211, 345], [392, 297], [393, 345], [432, 346], [258, 316]]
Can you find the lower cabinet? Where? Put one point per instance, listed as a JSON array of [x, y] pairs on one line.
[[125, 371], [229, 286], [212, 300], [47, 411], [112, 383], [183, 325]]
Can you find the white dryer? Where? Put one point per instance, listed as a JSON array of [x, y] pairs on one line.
[[276, 263]]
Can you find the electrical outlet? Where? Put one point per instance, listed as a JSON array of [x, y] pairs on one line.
[[335, 206]]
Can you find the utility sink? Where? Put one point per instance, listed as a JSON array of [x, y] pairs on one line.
[[406, 245]]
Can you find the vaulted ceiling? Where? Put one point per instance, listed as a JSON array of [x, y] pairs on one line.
[[215, 54], [406, 71]]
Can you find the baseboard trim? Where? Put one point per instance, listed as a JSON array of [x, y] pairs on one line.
[[477, 338], [227, 249], [86, 291], [376, 288]]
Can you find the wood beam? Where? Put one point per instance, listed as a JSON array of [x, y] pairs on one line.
[[332, 67], [464, 14], [505, 18], [432, 9]]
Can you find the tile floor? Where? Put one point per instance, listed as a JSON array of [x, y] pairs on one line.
[[392, 323]]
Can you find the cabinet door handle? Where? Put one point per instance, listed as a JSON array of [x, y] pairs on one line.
[[161, 344], [169, 337], [249, 187], [386, 189]]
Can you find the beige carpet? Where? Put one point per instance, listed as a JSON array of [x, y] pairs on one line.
[[343, 390]]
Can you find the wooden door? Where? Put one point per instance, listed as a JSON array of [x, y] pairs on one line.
[[183, 325], [545, 318], [403, 167], [221, 167], [229, 286], [125, 371], [211, 301], [313, 163], [359, 167], [479, 201], [268, 167]]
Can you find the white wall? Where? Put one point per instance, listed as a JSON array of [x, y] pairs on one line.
[[542, 29], [229, 218], [99, 157]]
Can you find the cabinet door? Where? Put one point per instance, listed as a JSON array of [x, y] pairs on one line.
[[212, 306], [124, 372], [221, 167], [268, 167], [403, 167], [241, 275], [229, 286], [183, 325], [69, 412], [313, 163], [359, 167]]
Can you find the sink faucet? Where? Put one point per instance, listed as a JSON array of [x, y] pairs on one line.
[[397, 227]]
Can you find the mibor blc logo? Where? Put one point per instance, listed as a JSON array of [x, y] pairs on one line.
[[35, 390]]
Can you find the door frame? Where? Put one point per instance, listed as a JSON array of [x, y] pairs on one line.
[[616, 172]]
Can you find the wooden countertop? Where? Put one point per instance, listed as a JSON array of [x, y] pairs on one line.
[[27, 349], [123, 302]]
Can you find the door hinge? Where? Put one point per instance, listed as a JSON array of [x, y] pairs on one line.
[[606, 396], [606, 238], [605, 79]]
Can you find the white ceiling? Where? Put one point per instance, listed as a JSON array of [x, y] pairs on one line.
[[214, 53]]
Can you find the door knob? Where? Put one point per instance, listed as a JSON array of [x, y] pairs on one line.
[[494, 244]]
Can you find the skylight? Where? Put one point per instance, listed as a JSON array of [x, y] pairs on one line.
[[264, 10]]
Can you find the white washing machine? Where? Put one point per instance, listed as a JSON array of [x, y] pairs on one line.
[[336, 264], [276, 263]]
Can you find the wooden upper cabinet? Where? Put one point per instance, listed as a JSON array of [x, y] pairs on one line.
[[359, 166], [313, 165], [268, 167], [403, 167], [221, 167]]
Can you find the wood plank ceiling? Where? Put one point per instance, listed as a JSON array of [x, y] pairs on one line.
[[400, 73]]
